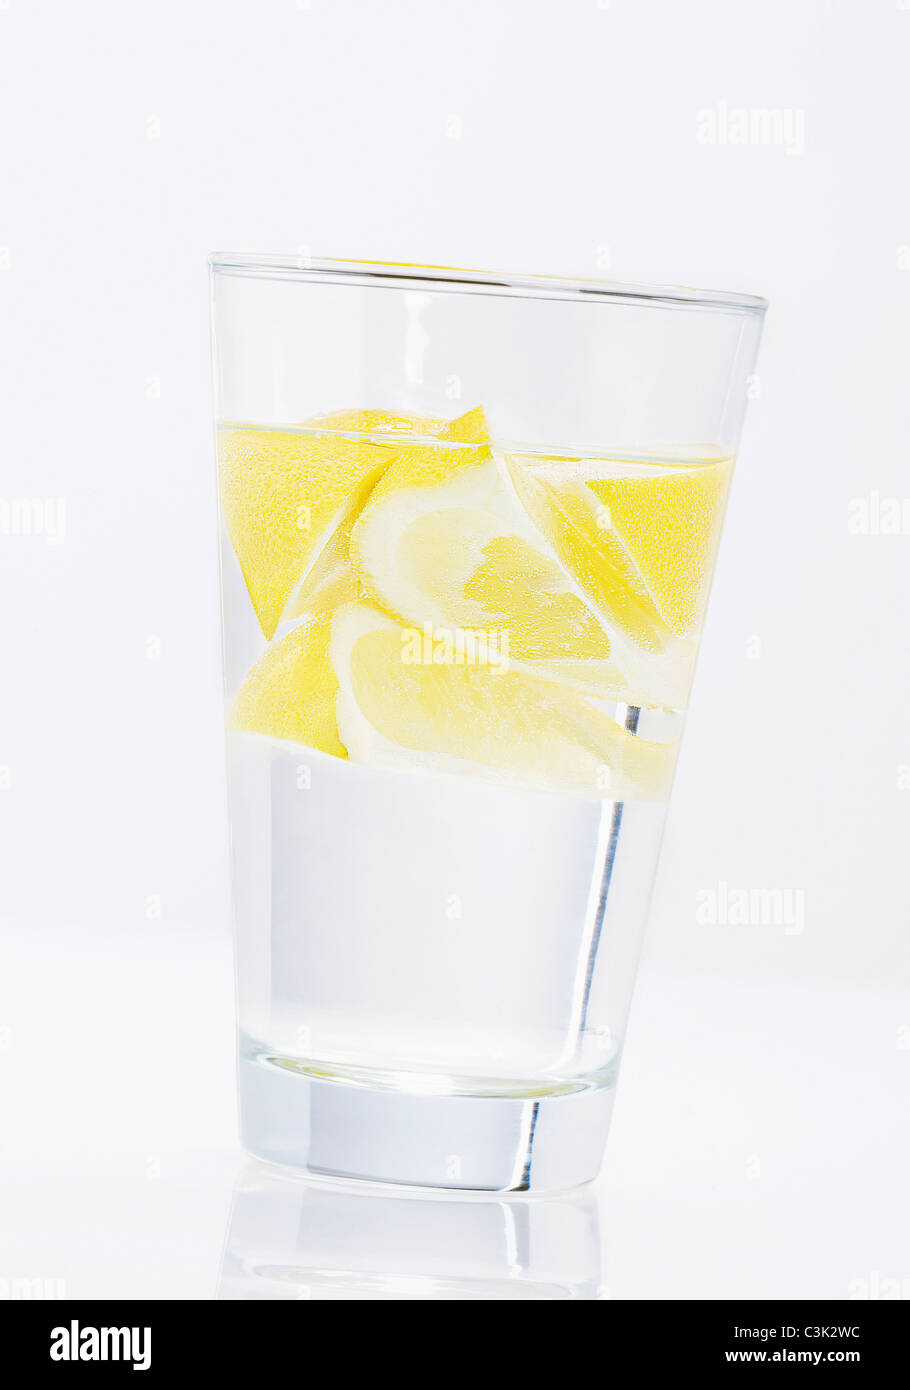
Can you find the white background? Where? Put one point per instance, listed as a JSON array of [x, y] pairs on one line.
[[759, 1132]]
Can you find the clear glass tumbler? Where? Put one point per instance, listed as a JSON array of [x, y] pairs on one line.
[[469, 524]]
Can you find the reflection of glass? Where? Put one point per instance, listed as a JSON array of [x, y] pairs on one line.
[[469, 525], [290, 1238]]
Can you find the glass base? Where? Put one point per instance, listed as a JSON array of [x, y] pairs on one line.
[[484, 1143]]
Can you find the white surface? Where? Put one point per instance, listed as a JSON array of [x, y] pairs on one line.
[[758, 1147], [556, 137]]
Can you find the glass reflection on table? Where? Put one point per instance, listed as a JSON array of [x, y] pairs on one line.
[[296, 1238]]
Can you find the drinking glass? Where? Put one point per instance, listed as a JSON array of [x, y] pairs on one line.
[[468, 528]]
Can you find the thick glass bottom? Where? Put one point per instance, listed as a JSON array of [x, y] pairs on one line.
[[415, 1130]]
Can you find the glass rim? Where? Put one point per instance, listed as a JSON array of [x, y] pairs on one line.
[[451, 279]]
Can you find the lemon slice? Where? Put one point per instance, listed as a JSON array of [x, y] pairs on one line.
[[283, 495], [578, 530], [670, 521], [443, 541], [640, 538], [403, 706], [292, 690]]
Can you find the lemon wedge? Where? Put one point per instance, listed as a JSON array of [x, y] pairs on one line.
[[288, 496], [292, 690], [670, 520], [283, 495], [402, 704], [640, 538]]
